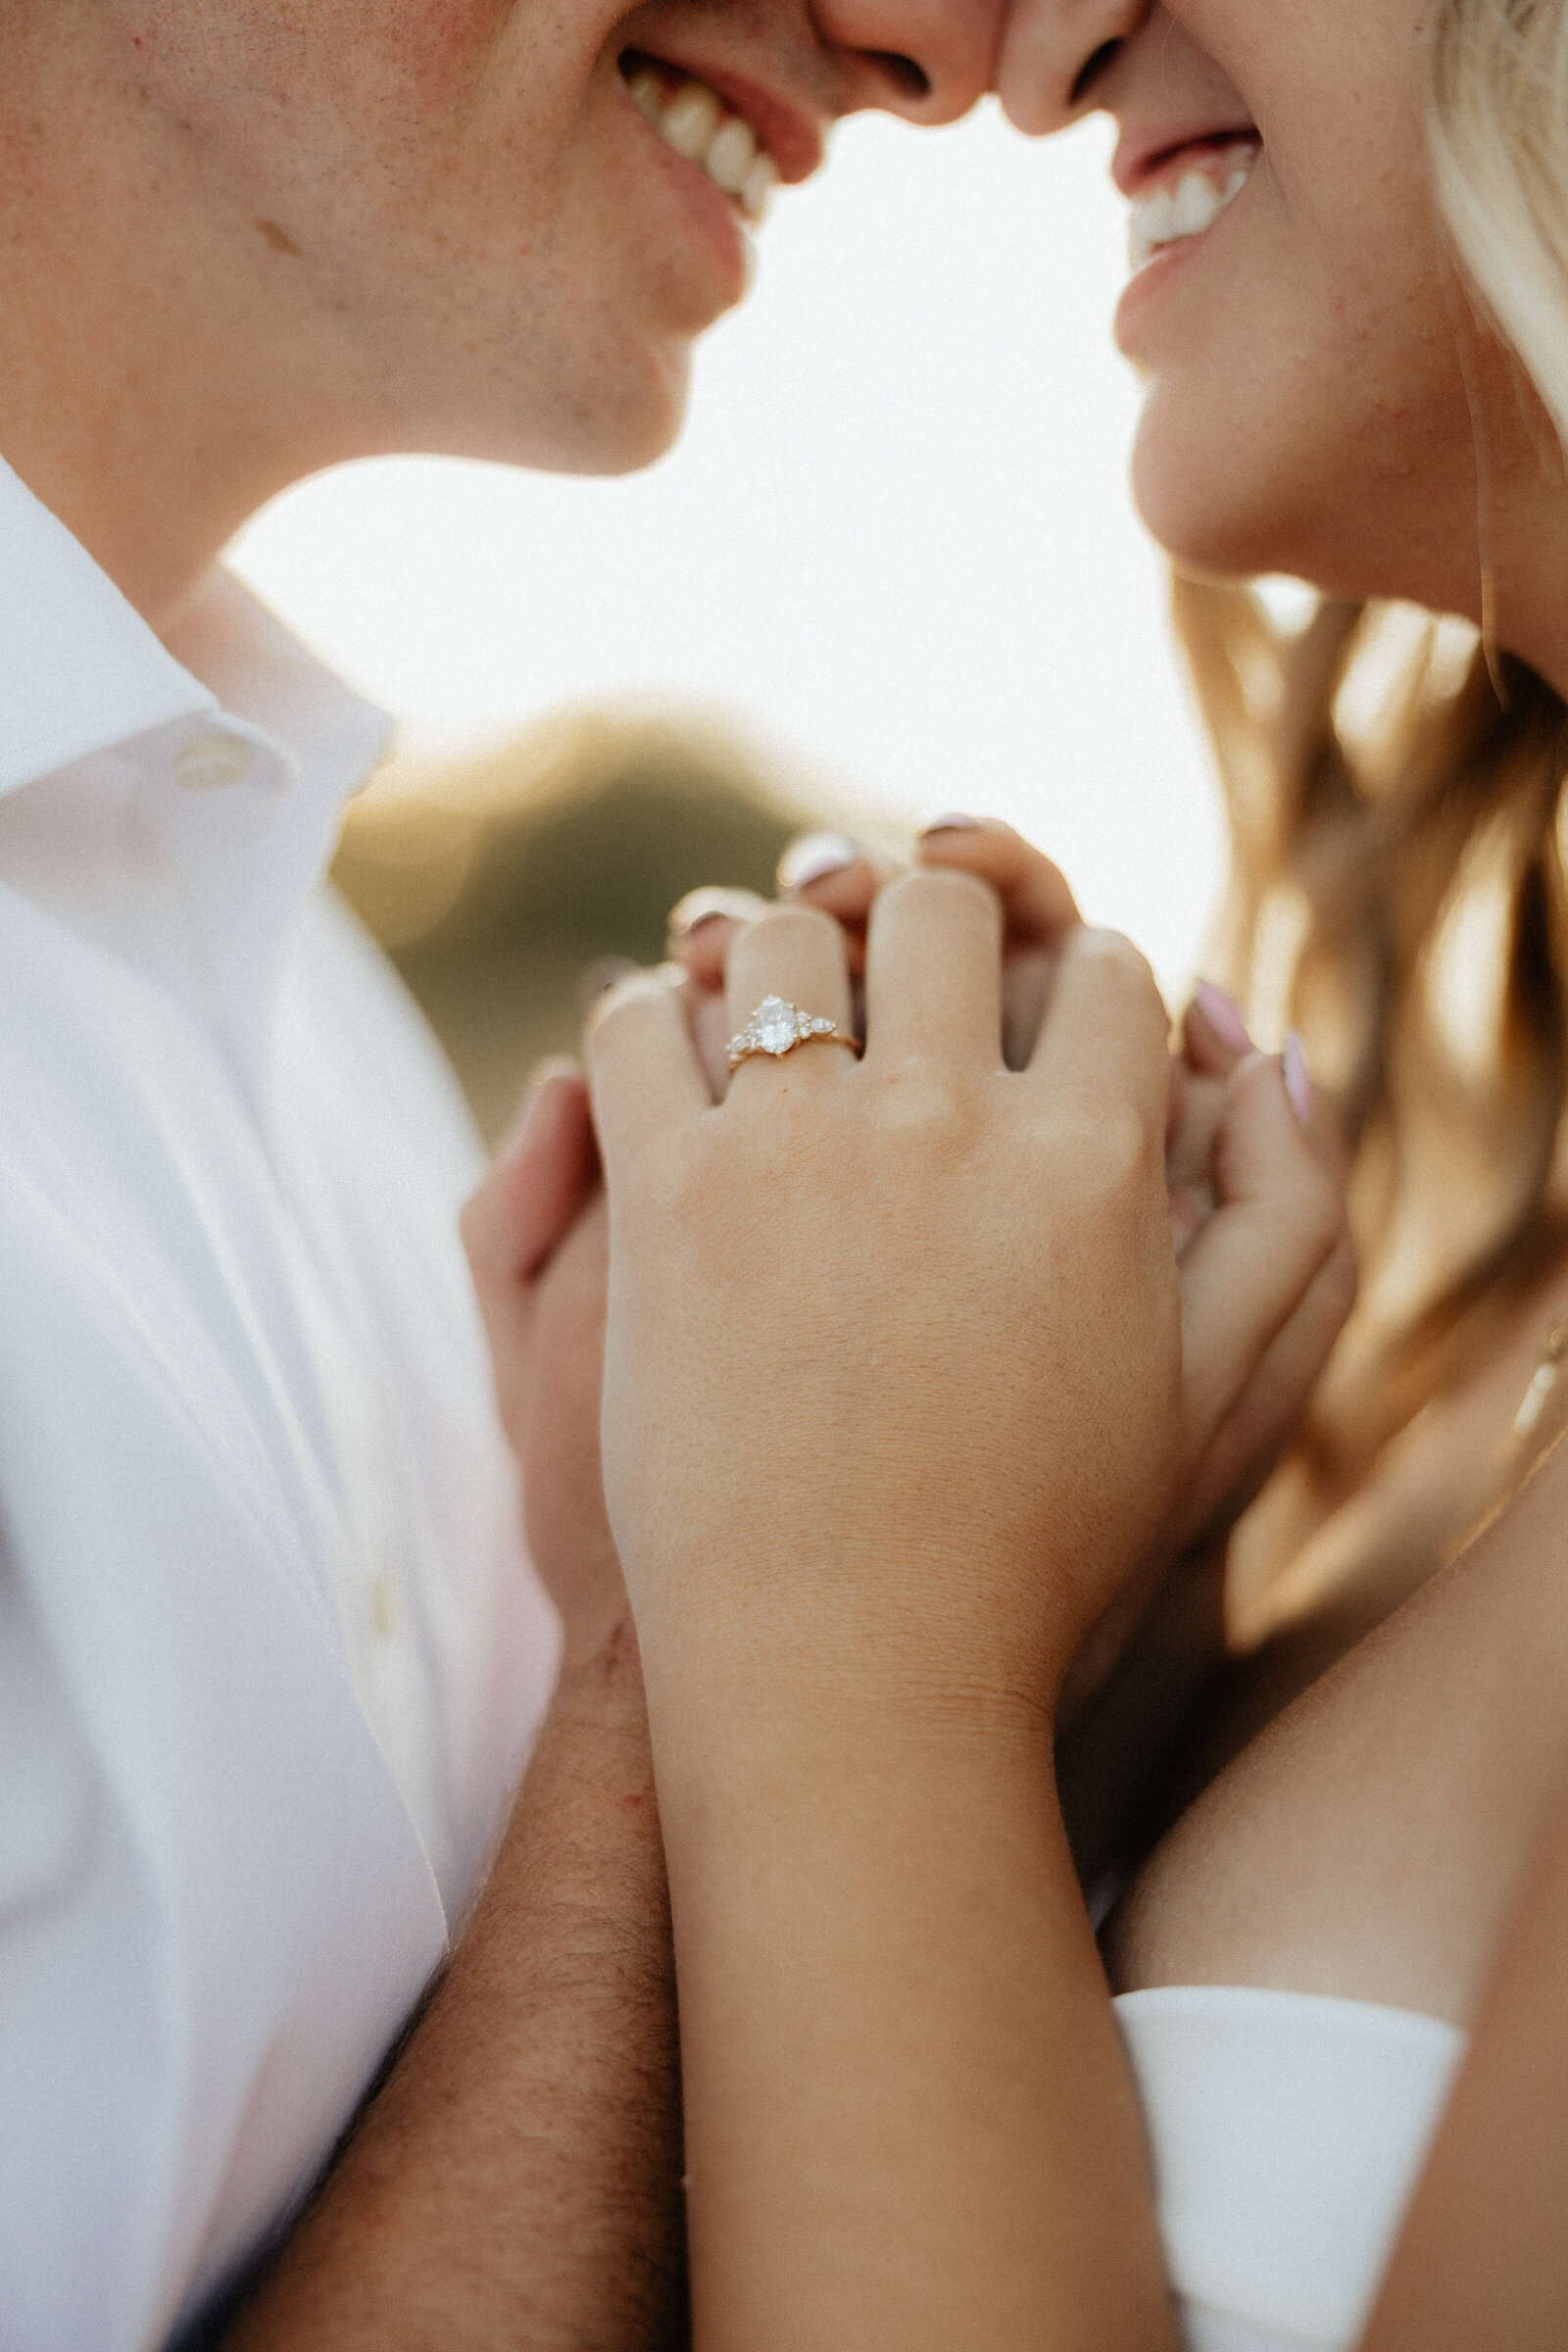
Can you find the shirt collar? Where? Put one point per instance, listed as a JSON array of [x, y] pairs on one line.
[[81, 668], [177, 804], [83, 672]]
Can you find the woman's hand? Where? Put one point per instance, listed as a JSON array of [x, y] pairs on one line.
[[893, 1400], [1264, 1300], [536, 1233], [925, 1306]]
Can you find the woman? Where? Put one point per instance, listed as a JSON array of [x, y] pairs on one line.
[[882, 1453]]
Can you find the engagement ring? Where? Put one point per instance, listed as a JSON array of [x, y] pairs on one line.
[[777, 1028]]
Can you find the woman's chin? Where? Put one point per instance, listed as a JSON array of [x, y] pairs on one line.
[[1205, 517]]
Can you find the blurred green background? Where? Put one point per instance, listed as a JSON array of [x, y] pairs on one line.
[[496, 884]]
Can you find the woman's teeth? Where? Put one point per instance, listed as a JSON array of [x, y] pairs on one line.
[[1172, 213], [694, 119]]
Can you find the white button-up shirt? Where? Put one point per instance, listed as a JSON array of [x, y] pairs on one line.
[[269, 1654]]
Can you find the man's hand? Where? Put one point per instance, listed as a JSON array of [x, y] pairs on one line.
[[536, 1237], [516, 2179]]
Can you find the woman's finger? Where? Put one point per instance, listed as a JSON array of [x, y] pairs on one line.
[[835, 872], [933, 971], [1198, 1105], [1106, 1026], [1269, 1408], [793, 955], [643, 1067], [842, 876], [1037, 907], [711, 1034], [1036, 903], [1279, 1222], [702, 927], [1213, 1032]]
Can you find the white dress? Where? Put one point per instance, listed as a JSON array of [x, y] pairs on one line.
[[1287, 2131]]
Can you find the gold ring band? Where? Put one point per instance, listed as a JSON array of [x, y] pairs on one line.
[[777, 1028]]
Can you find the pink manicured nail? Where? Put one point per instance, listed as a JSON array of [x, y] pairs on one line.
[[712, 903], [816, 856], [1223, 1016], [1297, 1080], [954, 822]]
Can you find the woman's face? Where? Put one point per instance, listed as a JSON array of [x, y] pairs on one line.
[[1308, 355]]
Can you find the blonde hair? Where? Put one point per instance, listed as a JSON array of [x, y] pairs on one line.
[[1499, 154], [1398, 888]]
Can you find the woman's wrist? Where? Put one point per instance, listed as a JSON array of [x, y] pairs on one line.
[[791, 1667], [769, 1754]]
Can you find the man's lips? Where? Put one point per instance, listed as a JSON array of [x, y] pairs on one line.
[[793, 136]]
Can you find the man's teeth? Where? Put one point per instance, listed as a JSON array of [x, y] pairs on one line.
[[693, 121], [1194, 204]]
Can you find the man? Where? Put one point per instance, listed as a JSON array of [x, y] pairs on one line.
[[270, 1655]]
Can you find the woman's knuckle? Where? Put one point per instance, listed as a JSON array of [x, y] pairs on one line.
[[620, 1010], [1127, 1145], [943, 893], [1114, 952], [921, 1104], [1121, 970], [791, 929], [1109, 1139]]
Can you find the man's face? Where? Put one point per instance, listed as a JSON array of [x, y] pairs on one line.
[[456, 221]]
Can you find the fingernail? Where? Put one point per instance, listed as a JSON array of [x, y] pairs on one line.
[[709, 904], [954, 822], [602, 974], [1297, 1078], [814, 855], [1223, 1016]]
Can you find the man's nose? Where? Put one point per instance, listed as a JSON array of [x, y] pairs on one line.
[[1057, 54], [927, 60]]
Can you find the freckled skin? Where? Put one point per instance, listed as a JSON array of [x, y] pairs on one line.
[[1314, 370], [239, 241], [1329, 335], [450, 178]]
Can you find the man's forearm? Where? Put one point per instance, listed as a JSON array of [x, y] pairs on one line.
[[517, 2180]]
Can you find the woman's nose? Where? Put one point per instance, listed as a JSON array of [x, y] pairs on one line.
[[1056, 55], [928, 60]]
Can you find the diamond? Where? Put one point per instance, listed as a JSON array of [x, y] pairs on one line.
[[773, 1025]]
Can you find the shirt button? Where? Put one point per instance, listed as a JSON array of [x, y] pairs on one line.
[[384, 1607], [211, 761]]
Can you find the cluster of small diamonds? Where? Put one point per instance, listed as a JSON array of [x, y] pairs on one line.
[[774, 1027]]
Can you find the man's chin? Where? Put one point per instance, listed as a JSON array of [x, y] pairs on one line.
[[608, 429]]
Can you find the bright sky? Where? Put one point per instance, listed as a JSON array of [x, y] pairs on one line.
[[895, 543]]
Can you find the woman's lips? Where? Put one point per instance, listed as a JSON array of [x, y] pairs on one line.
[[1185, 193]]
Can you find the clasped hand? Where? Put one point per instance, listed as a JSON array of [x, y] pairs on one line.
[[903, 1380]]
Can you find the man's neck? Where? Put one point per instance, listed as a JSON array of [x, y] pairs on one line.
[[147, 394]]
